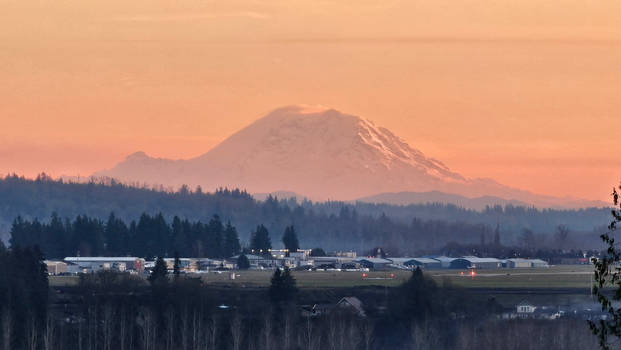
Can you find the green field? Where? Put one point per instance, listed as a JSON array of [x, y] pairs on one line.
[[568, 276], [565, 276]]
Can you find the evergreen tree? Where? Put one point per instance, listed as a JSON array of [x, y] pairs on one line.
[[414, 299], [177, 266], [497, 236], [116, 236], [260, 240], [159, 275], [88, 236], [179, 236], [283, 286], [214, 239], [54, 242], [290, 239], [231, 241], [242, 262]]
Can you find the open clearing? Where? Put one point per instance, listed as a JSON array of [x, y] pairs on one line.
[[565, 276]]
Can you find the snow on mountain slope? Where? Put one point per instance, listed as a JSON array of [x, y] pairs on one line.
[[320, 153]]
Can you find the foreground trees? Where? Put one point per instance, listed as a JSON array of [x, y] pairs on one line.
[[607, 275], [111, 310], [283, 287], [23, 298]]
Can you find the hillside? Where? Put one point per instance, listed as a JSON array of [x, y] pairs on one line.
[[407, 198], [332, 225]]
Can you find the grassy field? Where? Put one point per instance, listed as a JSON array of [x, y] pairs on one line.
[[566, 276], [569, 276]]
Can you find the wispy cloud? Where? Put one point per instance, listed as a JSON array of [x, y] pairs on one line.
[[182, 17], [445, 40]]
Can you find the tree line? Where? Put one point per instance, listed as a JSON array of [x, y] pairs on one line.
[[149, 236], [331, 225]]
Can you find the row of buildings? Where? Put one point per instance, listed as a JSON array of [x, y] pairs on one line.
[[444, 262], [300, 259]]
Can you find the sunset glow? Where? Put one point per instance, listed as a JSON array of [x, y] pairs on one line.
[[522, 92]]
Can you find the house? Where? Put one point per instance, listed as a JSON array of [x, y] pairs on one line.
[[352, 304], [55, 267], [525, 309], [187, 264], [374, 263]]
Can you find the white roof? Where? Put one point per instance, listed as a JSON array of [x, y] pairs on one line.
[[53, 262], [354, 302], [538, 261], [101, 258], [444, 258], [250, 257], [400, 260], [427, 260], [475, 259], [332, 258], [420, 260]]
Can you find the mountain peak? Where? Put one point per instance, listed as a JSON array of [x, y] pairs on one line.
[[137, 156], [318, 152]]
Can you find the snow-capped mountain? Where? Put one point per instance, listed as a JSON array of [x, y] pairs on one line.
[[320, 153]]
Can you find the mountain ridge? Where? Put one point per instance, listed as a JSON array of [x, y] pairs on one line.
[[322, 154]]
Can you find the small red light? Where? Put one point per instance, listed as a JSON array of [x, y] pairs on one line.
[[364, 275], [392, 275], [472, 273]]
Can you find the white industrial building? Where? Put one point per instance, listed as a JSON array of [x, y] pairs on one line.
[[95, 263]]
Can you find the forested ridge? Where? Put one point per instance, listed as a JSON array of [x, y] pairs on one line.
[[331, 225]]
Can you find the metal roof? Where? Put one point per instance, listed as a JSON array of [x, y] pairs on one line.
[[375, 260], [101, 258], [444, 258], [251, 257], [420, 260], [538, 261], [475, 259]]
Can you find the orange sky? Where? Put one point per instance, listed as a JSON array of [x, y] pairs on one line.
[[525, 92]]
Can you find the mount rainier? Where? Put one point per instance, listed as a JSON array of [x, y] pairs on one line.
[[322, 154]]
